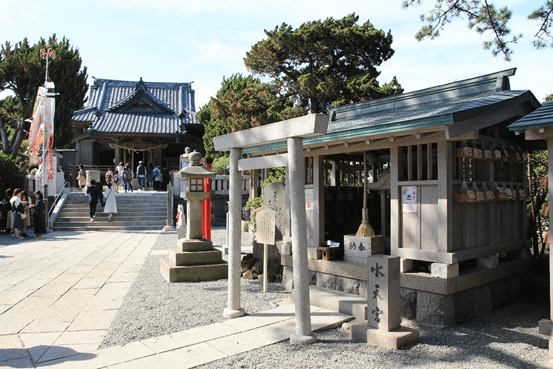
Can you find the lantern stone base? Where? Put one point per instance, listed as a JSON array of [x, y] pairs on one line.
[[388, 339], [194, 260]]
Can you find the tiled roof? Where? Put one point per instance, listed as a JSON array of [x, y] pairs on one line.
[[540, 118], [436, 106], [131, 107]]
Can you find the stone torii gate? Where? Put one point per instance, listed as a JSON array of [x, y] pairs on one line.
[[293, 131]]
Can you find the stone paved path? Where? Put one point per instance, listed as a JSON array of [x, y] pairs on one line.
[[59, 294]]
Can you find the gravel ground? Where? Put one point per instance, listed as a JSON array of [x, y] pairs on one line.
[[154, 307], [507, 338]]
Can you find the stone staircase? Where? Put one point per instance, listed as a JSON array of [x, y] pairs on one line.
[[135, 211]]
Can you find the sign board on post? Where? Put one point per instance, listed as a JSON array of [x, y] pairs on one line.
[[265, 224]]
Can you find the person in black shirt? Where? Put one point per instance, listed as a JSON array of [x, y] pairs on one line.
[[92, 193]]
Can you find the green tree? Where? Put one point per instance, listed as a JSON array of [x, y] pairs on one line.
[[325, 63], [241, 103], [22, 70], [8, 168], [484, 17]]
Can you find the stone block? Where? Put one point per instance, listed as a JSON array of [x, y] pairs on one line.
[[347, 285], [483, 300], [342, 302], [388, 339], [464, 306], [363, 288], [287, 279], [357, 249], [326, 281], [545, 327], [490, 261], [175, 273], [436, 310], [195, 257], [519, 254], [383, 294], [181, 233], [313, 278], [199, 244], [514, 285], [406, 265], [286, 248], [499, 293], [424, 282], [444, 271], [408, 303], [312, 253]]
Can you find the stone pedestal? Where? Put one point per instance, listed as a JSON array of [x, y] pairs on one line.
[[383, 309], [194, 260]]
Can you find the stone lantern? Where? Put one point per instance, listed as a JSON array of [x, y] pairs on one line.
[[194, 258], [194, 175]]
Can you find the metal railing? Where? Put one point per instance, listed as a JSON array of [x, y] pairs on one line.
[[58, 197]]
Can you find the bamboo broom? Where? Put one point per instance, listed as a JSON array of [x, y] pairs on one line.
[[365, 229]]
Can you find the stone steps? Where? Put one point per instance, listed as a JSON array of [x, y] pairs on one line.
[[338, 301], [135, 211]]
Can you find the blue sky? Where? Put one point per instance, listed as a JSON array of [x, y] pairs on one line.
[[202, 41]]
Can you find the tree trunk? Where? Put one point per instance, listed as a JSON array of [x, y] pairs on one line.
[[18, 137]]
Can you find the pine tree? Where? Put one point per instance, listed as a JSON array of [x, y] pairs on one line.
[[241, 103], [22, 70], [325, 63]]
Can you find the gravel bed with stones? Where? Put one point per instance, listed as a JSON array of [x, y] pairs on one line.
[[154, 307], [506, 338]]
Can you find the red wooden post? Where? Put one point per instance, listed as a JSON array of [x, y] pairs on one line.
[[206, 208]]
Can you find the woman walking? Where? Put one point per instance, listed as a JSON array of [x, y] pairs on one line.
[[110, 206], [39, 220], [17, 210]]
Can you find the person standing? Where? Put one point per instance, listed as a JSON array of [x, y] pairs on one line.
[[100, 189], [150, 175], [109, 177], [17, 210], [81, 176], [92, 192], [27, 218], [141, 173], [110, 203], [166, 176], [38, 217], [127, 176], [8, 206], [158, 178], [120, 169]]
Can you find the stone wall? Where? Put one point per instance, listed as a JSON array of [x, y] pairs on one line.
[[422, 301]]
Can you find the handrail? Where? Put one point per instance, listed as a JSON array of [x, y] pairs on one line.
[[58, 196]]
